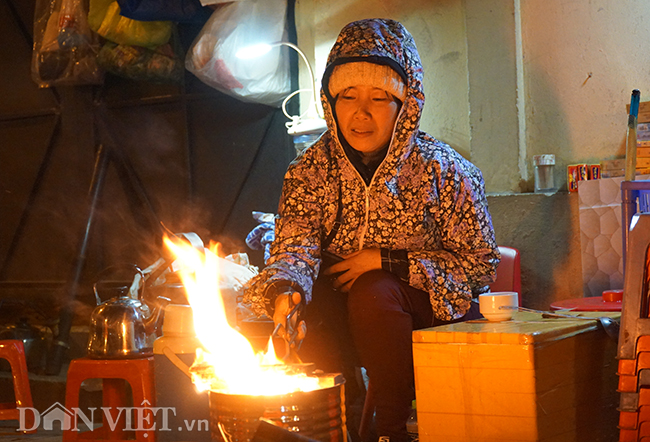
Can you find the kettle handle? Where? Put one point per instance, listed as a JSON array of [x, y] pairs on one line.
[[136, 282]]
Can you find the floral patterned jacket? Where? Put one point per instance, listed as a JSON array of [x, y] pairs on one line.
[[424, 197]]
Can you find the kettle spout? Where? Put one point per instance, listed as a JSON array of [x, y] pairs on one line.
[[153, 321]]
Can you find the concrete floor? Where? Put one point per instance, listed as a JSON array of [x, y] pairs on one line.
[[8, 434], [46, 390]]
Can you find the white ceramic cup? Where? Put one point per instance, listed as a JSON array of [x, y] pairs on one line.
[[490, 305]]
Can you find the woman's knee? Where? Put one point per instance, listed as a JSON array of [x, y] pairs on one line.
[[374, 290]]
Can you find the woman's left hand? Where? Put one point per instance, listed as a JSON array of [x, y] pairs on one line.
[[353, 266]]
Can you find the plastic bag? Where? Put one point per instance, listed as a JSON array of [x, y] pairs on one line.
[[235, 26], [105, 19], [180, 11], [160, 65], [65, 50], [263, 235], [234, 271]]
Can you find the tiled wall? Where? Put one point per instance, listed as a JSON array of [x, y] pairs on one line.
[[601, 238]]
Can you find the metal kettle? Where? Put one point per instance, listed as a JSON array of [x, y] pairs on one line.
[[124, 326]]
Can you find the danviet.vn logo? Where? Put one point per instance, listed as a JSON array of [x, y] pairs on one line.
[[144, 418]]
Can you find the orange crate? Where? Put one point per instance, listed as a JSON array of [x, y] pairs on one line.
[[628, 420], [644, 396], [644, 429], [627, 366], [628, 435], [643, 344], [628, 383]]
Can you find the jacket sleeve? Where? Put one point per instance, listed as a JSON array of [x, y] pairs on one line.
[[466, 262], [295, 252]]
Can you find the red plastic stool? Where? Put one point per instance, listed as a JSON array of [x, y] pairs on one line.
[[139, 373], [13, 350], [610, 301]]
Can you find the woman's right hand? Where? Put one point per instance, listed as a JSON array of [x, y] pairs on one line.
[[284, 303]]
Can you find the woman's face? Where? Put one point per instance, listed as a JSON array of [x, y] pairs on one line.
[[366, 116]]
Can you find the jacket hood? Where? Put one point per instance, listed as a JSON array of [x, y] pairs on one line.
[[381, 41]]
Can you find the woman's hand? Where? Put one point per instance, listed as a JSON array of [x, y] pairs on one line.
[[352, 266], [283, 305]]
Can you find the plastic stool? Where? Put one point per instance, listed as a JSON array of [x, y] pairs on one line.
[[13, 350], [139, 373]]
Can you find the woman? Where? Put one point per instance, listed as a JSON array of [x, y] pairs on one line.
[[406, 212]]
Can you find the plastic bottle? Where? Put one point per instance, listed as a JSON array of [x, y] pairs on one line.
[[412, 423]]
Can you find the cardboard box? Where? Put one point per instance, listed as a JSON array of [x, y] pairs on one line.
[[528, 379], [616, 168], [644, 112], [616, 164]]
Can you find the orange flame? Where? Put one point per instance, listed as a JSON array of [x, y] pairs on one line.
[[227, 363]]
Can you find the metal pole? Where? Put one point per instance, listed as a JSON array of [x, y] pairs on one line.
[[60, 343]]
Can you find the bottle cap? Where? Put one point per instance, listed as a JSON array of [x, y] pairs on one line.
[[544, 160]]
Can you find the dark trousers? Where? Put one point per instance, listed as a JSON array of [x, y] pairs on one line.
[[371, 326]]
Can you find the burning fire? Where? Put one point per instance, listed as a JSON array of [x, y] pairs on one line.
[[227, 363]]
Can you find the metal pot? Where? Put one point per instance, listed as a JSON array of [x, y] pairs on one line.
[[124, 326], [34, 340]]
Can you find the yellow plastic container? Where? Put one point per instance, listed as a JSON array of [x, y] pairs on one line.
[[528, 379], [185, 413]]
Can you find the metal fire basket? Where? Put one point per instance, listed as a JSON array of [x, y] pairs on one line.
[[318, 414]]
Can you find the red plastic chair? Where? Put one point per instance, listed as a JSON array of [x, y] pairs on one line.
[[14, 352], [508, 272], [115, 374]]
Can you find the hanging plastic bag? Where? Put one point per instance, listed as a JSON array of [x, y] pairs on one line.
[[212, 56], [180, 11], [105, 19], [159, 65], [65, 49]]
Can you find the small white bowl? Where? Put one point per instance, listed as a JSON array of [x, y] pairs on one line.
[[498, 306]]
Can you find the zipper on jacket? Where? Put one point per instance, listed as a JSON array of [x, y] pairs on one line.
[[364, 230], [335, 133]]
